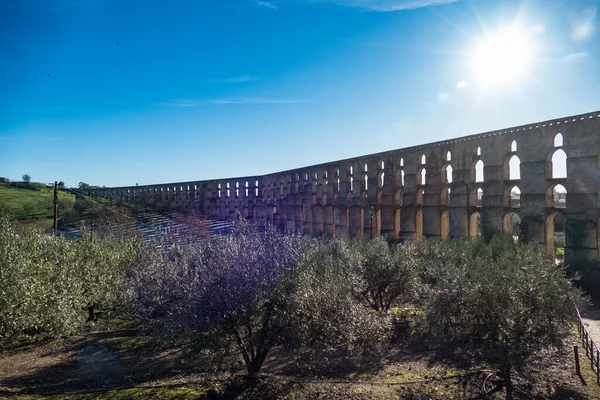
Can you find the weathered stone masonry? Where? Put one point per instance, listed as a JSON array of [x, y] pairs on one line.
[[457, 187]]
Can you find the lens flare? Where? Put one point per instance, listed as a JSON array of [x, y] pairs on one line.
[[502, 57]]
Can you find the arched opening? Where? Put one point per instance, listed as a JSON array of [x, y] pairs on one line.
[[513, 197], [558, 140], [237, 189], [514, 168], [422, 159], [366, 182], [382, 179], [475, 225], [556, 197], [448, 174], [478, 150], [219, 187], [402, 162], [246, 187], [476, 197], [444, 225], [513, 146], [422, 176], [445, 196], [478, 171], [448, 156], [512, 225], [402, 177], [420, 195], [419, 224], [555, 237], [559, 164]]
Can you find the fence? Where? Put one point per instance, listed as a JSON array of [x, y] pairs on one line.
[[591, 349]]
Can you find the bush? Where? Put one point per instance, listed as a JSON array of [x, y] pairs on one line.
[[504, 302], [46, 282]]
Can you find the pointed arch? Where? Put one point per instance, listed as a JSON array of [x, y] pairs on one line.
[[478, 171], [422, 159], [512, 197], [513, 146], [420, 196], [556, 196], [448, 156], [555, 236], [512, 168], [422, 176], [559, 164], [558, 140], [445, 196], [476, 197], [512, 225]]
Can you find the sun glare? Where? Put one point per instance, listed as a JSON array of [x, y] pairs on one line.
[[502, 58]]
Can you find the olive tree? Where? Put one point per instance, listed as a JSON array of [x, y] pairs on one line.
[[505, 301], [385, 275]]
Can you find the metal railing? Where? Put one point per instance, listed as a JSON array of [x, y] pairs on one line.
[[591, 349]]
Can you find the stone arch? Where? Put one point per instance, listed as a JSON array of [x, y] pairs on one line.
[[559, 164], [419, 224], [422, 159], [477, 150], [512, 168], [513, 146], [476, 197], [511, 224], [420, 196], [475, 225], [422, 176], [555, 233], [447, 173], [398, 198], [556, 196], [558, 140], [512, 197], [477, 171], [444, 225], [445, 196]]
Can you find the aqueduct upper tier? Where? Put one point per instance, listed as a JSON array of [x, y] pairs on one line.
[[534, 180]]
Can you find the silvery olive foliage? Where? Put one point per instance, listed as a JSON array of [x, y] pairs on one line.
[[261, 288], [504, 301], [385, 275], [46, 283], [231, 281], [325, 310]]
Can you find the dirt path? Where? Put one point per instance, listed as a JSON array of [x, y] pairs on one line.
[[591, 320]]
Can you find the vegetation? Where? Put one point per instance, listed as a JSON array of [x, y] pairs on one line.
[[34, 201], [499, 303], [46, 283]]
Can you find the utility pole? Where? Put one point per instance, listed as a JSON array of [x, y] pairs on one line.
[[55, 207]]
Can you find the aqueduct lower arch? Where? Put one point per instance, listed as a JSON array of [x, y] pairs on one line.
[[386, 193]]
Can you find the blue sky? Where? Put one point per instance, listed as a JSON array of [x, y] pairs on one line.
[[119, 92]]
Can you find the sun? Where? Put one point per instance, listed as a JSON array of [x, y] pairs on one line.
[[502, 58]]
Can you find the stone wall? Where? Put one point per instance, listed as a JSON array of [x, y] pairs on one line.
[[457, 187]]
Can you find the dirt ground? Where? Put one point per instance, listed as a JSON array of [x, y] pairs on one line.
[[116, 362]]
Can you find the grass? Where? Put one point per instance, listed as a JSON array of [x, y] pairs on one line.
[[33, 204]]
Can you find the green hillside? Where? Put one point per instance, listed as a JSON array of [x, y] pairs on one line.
[[33, 203]]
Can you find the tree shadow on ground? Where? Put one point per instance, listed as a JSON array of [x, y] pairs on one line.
[[103, 361]]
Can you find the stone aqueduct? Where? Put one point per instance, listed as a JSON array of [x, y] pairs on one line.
[[458, 187]]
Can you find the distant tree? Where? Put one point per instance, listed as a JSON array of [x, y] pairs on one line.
[[26, 178], [61, 185], [83, 185], [505, 303]]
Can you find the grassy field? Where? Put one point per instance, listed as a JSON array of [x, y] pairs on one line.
[[33, 204]]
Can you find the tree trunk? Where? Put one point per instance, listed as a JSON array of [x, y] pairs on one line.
[[91, 314], [508, 383]]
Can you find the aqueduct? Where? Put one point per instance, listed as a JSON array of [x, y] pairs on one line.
[[537, 179]]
